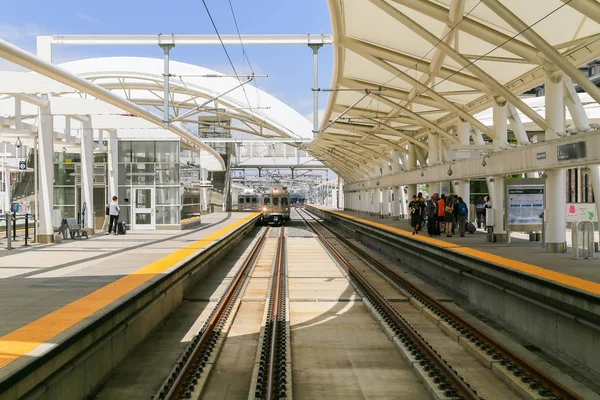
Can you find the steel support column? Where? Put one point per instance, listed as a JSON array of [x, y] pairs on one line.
[[340, 194], [412, 165], [464, 137], [315, 48], [87, 176], [113, 165], [166, 76], [496, 189], [395, 191], [594, 176], [556, 196], [45, 172]]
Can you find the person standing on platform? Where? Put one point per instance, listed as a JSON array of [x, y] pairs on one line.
[[415, 207], [449, 215], [113, 210], [480, 210], [422, 200], [463, 213], [431, 210], [440, 210]]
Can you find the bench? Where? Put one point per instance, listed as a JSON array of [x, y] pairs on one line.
[[74, 229]]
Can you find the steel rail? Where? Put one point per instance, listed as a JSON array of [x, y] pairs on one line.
[[529, 374], [178, 385], [460, 387], [276, 312]]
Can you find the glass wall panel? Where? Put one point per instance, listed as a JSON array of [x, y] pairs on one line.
[[124, 196], [64, 174], [142, 151], [168, 195], [167, 174], [66, 211], [125, 214], [167, 215], [124, 174], [143, 174], [124, 151], [167, 152], [64, 196]]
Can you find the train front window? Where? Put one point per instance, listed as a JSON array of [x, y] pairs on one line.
[[267, 201], [254, 200], [284, 201], [275, 201], [247, 200], [240, 200]]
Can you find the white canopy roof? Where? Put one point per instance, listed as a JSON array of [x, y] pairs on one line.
[[140, 79], [409, 67]]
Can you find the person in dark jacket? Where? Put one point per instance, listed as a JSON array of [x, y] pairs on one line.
[[415, 207], [431, 210]]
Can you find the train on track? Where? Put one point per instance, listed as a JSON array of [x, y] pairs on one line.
[[273, 203], [275, 206]]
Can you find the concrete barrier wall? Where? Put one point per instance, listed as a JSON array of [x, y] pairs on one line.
[[564, 323], [76, 368]]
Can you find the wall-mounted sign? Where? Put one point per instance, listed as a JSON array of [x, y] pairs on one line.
[[581, 212], [541, 156], [571, 151]]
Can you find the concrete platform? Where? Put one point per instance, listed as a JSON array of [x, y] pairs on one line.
[[520, 250], [50, 293], [549, 300]]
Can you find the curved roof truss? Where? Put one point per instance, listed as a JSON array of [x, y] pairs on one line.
[[431, 63]]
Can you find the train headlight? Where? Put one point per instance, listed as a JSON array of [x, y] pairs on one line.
[[264, 208]]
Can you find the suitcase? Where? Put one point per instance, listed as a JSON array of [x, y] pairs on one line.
[[470, 227], [121, 229]]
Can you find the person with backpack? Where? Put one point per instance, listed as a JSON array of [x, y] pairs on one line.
[[463, 213], [449, 215], [455, 214], [113, 211], [480, 211]]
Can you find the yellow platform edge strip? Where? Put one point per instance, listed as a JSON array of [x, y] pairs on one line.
[[23, 340], [530, 269]]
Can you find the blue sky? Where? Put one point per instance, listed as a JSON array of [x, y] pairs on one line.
[[289, 67]]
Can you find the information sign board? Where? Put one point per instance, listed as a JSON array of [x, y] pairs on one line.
[[525, 204]]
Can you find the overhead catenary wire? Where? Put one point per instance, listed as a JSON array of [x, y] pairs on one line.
[[244, 53], [229, 59]]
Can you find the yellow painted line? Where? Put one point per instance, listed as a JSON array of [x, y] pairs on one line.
[[23, 340], [185, 220], [530, 269]]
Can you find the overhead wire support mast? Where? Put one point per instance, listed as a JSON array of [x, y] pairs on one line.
[[166, 46]]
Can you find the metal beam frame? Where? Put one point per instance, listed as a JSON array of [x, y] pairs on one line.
[[181, 40]]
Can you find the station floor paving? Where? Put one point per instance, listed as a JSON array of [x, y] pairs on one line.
[[49, 292], [521, 254]]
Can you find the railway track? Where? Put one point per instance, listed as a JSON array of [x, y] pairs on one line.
[[271, 375], [183, 381], [522, 377]]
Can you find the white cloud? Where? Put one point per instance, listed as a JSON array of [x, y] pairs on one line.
[[19, 33], [88, 18]]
